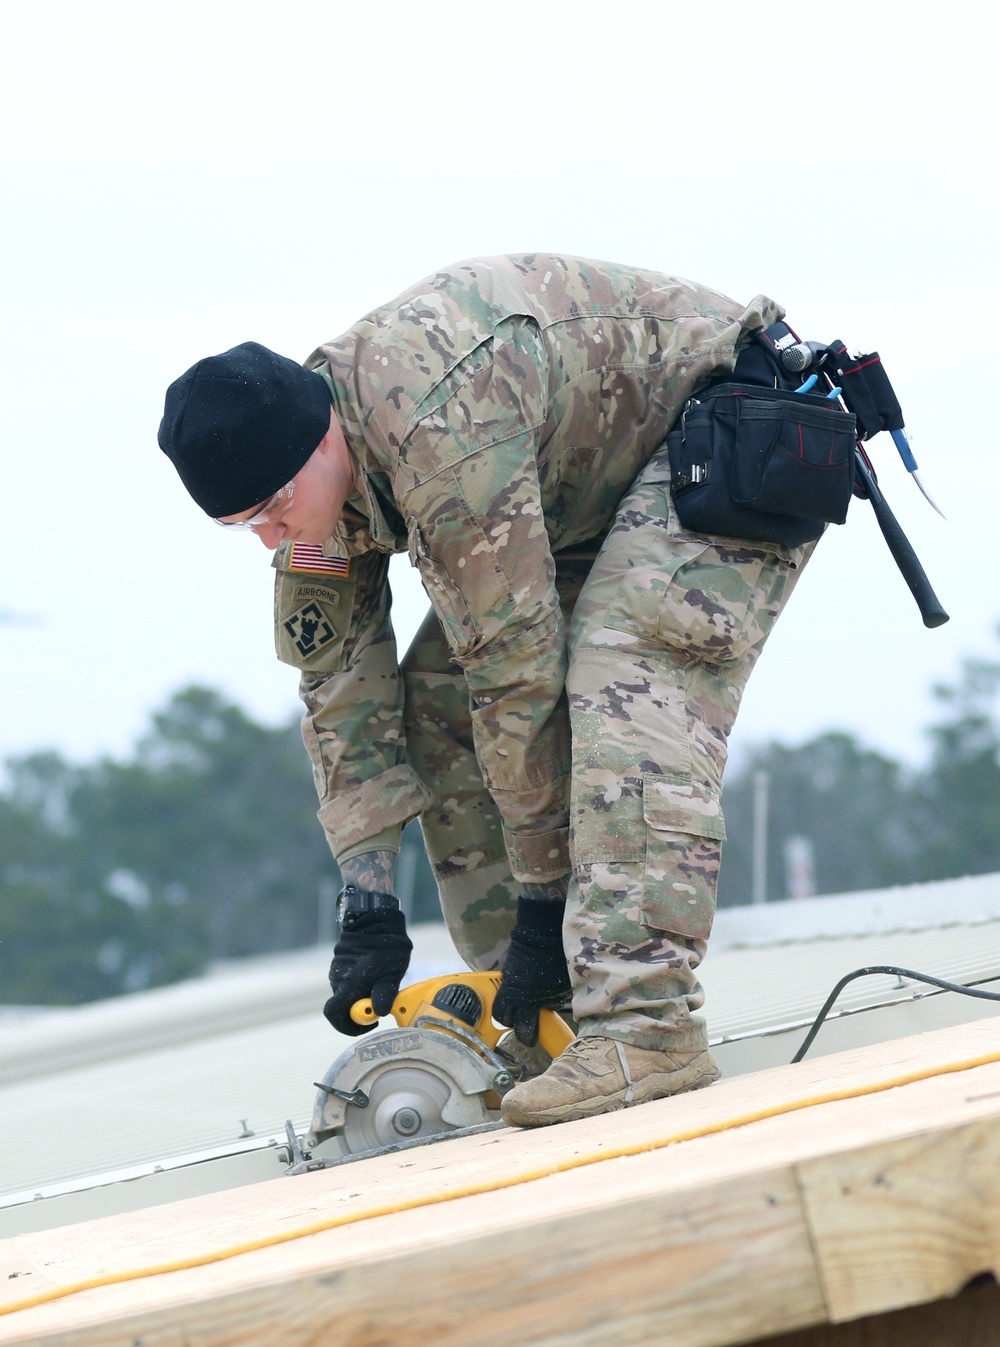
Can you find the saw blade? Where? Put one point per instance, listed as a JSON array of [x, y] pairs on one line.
[[404, 1101], [397, 1084]]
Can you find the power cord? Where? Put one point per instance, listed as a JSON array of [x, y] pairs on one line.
[[885, 968]]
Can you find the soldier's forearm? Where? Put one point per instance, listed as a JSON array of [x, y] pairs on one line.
[[372, 870], [555, 889]]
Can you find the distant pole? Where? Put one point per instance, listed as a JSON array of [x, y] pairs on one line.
[[761, 793]]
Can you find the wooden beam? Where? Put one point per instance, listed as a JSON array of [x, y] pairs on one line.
[[831, 1209]]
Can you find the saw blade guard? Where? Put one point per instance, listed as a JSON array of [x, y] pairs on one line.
[[402, 1083]]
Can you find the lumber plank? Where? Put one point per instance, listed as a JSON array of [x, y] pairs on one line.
[[704, 1242], [907, 1221]]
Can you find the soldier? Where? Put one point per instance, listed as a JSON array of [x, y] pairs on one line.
[[560, 722]]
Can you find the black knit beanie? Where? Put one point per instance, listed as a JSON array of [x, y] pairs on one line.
[[238, 426]]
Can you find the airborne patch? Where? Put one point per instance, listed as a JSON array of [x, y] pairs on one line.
[[310, 630], [324, 594], [309, 557]]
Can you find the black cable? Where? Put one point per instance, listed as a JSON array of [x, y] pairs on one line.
[[885, 968]]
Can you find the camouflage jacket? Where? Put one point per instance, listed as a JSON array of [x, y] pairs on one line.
[[497, 411]]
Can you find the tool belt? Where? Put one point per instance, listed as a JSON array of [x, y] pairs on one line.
[[752, 457], [758, 455]]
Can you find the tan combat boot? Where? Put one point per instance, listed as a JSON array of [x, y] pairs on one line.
[[602, 1075]]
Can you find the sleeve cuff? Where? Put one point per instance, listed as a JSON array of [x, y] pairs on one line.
[[540, 858], [388, 839], [356, 818]]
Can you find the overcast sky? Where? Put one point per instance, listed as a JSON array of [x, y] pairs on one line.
[[180, 178]]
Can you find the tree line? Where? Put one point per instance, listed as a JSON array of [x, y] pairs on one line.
[[204, 844], [869, 820]]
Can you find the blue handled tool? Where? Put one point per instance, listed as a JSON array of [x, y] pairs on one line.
[[902, 443], [804, 353]]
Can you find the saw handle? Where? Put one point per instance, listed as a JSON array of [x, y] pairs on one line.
[[554, 1034], [363, 1012]]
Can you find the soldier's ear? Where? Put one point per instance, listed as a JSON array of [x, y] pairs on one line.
[[333, 437]]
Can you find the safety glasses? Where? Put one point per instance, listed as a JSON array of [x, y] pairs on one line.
[[269, 513]]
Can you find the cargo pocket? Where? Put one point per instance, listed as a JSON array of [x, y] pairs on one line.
[[684, 835]]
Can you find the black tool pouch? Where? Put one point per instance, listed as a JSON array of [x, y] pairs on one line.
[[866, 390], [748, 461]]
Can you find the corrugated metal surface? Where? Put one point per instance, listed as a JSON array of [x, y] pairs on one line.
[[918, 907], [755, 988]]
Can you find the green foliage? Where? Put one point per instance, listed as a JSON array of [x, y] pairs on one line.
[[66, 934], [871, 823], [204, 846], [961, 793], [215, 818], [853, 805]]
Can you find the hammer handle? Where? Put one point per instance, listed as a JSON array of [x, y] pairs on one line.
[[913, 573]]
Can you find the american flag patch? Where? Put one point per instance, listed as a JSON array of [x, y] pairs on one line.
[[309, 557]]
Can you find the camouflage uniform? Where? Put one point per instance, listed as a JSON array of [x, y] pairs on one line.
[[507, 416]]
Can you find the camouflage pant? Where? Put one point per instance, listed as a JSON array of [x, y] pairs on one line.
[[665, 627]]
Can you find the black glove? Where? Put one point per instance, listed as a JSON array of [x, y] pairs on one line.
[[369, 959], [534, 972]]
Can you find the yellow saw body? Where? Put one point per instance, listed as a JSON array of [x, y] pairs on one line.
[[444, 1067]]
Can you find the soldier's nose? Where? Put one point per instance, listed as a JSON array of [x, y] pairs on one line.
[[270, 534]]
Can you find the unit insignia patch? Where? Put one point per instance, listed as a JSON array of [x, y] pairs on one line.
[[310, 629]]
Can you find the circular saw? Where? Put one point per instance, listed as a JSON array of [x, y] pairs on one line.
[[444, 1067]]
